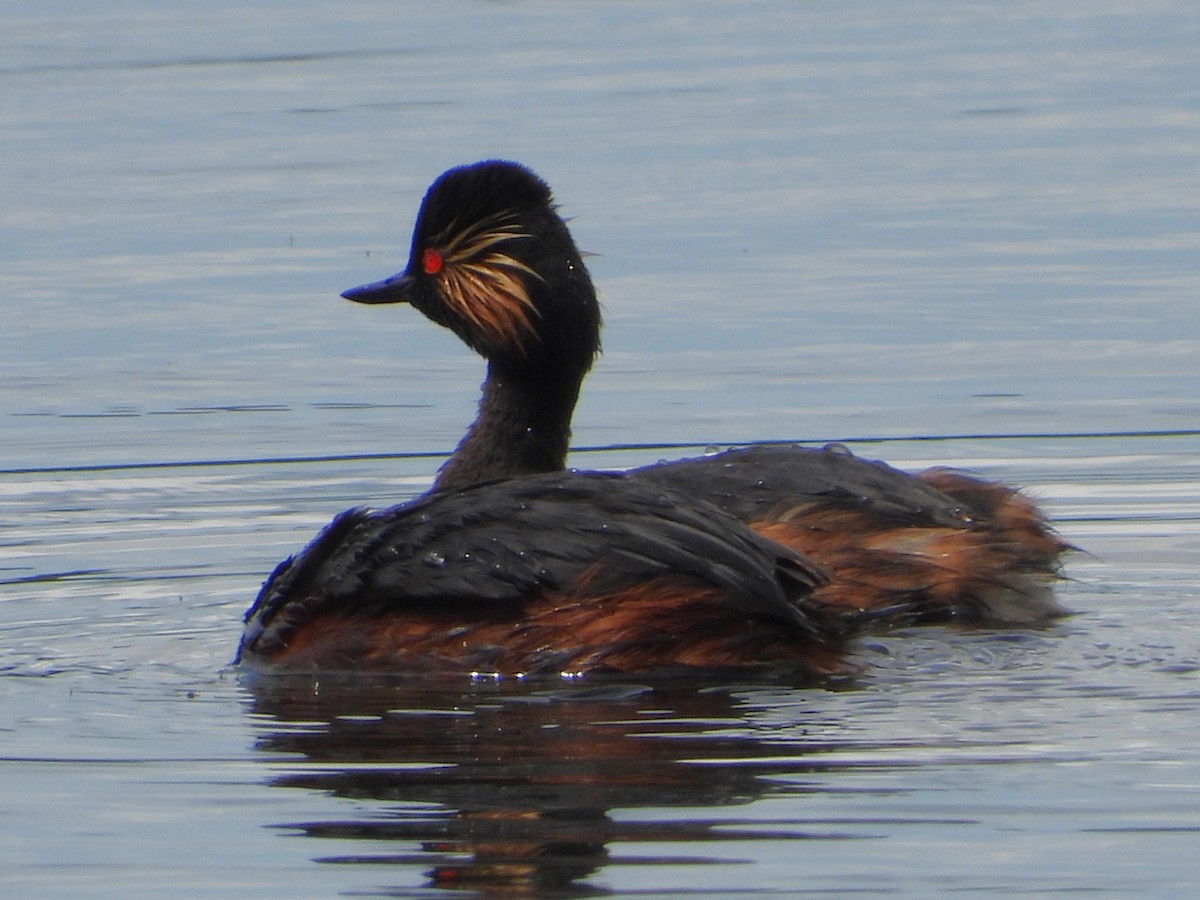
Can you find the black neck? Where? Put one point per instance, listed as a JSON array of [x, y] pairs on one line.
[[523, 428]]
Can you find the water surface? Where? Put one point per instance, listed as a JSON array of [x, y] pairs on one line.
[[948, 235]]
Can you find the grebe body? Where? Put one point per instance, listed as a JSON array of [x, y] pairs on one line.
[[755, 556]]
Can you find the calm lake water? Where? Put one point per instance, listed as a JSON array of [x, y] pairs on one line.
[[946, 234]]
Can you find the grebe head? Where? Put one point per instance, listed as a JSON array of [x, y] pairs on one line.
[[492, 260]]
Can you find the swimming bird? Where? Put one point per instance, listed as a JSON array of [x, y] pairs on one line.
[[492, 260]]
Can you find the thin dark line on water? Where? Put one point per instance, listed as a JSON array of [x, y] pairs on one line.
[[53, 576], [597, 448], [185, 62], [218, 463], [899, 439]]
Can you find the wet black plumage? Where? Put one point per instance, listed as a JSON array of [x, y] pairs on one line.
[[493, 545], [763, 481]]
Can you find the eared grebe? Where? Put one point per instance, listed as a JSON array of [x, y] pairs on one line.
[[492, 260]]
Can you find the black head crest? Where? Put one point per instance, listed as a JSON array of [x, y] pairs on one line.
[[492, 260]]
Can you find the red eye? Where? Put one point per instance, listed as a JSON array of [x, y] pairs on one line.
[[431, 261]]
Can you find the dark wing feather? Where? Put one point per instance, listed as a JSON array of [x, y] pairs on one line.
[[502, 541], [749, 482]]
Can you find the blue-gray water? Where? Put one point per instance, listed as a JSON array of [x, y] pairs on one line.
[[973, 222]]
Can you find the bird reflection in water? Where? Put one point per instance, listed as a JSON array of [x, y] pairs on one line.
[[507, 790]]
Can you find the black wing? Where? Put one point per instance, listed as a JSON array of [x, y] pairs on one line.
[[750, 482], [502, 541]]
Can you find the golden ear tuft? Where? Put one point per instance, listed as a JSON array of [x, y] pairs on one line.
[[485, 286]]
